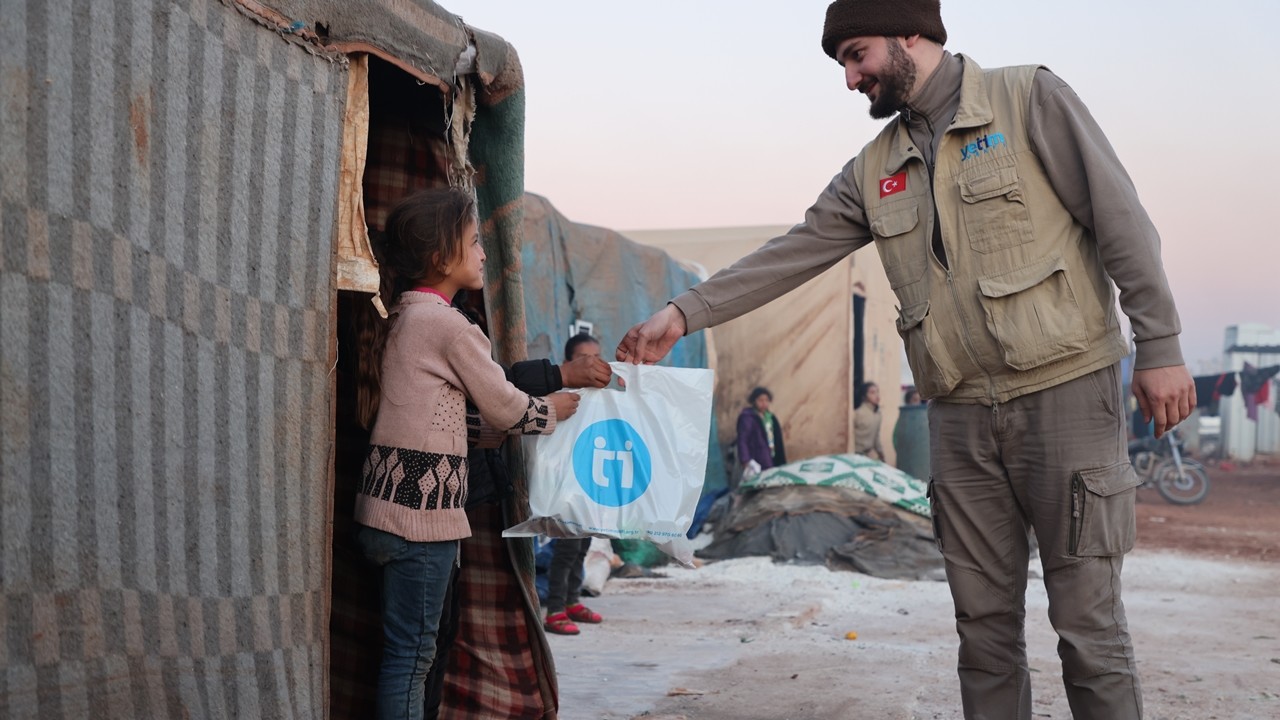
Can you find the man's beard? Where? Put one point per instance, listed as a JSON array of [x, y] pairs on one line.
[[896, 81]]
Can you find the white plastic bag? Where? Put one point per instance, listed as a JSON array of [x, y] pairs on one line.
[[629, 464]]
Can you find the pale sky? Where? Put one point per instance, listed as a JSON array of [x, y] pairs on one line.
[[712, 113]]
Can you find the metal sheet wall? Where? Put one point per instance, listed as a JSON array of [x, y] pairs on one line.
[[168, 201]]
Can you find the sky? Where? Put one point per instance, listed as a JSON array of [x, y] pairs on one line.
[[716, 113]]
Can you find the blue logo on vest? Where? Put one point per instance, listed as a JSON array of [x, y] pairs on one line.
[[611, 463], [981, 145]]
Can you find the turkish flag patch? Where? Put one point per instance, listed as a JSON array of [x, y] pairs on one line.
[[894, 184]]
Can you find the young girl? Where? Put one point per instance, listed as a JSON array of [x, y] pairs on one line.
[[420, 366]]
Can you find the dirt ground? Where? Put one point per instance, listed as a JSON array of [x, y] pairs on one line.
[[1240, 517], [750, 640]]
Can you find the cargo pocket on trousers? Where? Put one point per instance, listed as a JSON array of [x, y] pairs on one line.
[[935, 513], [1102, 511]]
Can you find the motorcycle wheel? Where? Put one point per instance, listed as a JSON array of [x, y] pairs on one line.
[[1188, 489]]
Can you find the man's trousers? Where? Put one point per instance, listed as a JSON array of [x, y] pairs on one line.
[[1054, 462]]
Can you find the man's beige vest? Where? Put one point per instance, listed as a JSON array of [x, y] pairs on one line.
[[1025, 303]]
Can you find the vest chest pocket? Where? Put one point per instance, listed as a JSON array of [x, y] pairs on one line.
[[1032, 313], [994, 210], [902, 251], [935, 373]]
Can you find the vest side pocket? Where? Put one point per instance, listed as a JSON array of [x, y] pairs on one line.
[[935, 373], [1033, 314], [994, 210], [904, 253]]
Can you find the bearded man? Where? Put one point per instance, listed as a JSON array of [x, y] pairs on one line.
[[1002, 216]]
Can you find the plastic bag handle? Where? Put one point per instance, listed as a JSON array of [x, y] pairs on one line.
[[628, 372]]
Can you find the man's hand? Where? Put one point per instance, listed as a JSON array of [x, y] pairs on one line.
[[1167, 394], [587, 371], [651, 340], [565, 403]]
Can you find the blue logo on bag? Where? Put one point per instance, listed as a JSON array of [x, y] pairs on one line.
[[611, 463]]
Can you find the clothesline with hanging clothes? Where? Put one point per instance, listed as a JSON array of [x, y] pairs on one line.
[[1212, 388], [1255, 388]]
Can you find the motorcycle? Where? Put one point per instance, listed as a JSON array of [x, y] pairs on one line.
[[1160, 464]]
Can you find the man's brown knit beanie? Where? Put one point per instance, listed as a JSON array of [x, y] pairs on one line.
[[891, 18]]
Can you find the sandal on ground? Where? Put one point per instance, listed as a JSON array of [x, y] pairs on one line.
[[583, 614], [560, 624]]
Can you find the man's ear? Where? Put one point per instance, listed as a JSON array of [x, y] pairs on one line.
[[910, 40]]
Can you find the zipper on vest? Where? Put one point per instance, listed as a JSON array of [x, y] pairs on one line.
[[936, 245], [968, 343]]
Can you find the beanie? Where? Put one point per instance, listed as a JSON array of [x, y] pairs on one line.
[[890, 18]]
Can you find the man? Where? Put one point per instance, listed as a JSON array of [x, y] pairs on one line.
[[1001, 214]]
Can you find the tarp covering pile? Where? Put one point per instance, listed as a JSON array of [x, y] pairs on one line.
[[845, 511], [849, 470]]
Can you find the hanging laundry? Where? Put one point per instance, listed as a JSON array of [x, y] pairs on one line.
[[1212, 388], [1254, 387]]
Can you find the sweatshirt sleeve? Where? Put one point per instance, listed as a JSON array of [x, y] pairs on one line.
[[834, 226], [1094, 187], [536, 377], [485, 384]]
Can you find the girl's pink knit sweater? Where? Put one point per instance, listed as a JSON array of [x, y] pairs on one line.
[[414, 482]]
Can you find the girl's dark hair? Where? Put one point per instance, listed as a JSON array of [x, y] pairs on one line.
[[755, 394], [579, 339], [860, 394], [423, 234]]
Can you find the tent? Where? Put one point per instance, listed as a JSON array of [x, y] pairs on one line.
[[846, 511], [184, 203]]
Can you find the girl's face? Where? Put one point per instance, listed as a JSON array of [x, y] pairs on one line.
[[468, 274], [873, 395]]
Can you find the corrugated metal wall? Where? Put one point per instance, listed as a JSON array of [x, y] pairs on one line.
[[167, 198]]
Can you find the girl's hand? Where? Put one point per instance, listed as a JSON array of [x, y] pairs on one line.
[[566, 404]]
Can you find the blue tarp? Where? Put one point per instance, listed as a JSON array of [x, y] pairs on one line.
[[581, 272]]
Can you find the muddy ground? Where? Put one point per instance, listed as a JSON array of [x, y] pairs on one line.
[[749, 640]]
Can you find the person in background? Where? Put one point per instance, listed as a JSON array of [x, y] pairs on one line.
[[759, 434], [564, 578], [866, 422]]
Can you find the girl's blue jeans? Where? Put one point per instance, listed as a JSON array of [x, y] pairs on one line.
[[415, 576]]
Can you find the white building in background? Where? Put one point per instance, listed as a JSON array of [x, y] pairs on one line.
[[1258, 345]]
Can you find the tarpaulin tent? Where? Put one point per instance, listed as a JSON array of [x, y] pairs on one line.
[[182, 200]]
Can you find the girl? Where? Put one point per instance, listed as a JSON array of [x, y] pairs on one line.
[[419, 368]]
